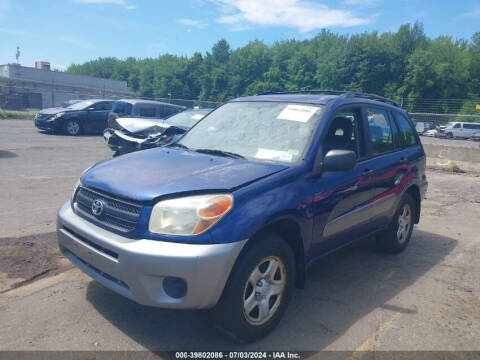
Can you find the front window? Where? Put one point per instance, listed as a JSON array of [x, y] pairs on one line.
[[269, 131]]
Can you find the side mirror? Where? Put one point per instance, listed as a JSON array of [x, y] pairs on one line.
[[339, 160]]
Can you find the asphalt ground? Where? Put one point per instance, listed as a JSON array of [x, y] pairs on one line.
[[359, 299]]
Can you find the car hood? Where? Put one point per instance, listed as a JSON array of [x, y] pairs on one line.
[[135, 125], [149, 174], [55, 110]]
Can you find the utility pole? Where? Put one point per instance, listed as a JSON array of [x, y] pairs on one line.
[[17, 55], [53, 93]]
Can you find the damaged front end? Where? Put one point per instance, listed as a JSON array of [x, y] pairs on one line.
[[130, 134]]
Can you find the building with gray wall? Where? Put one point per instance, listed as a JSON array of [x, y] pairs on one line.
[[46, 88]]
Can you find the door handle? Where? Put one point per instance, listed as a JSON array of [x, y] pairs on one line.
[[367, 172], [403, 160]]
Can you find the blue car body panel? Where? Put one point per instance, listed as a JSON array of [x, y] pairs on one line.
[[331, 209], [151, 174]]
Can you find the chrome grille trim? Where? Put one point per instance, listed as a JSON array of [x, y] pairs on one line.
[[118, 214]]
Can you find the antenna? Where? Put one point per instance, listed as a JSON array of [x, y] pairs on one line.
[[17, 55]]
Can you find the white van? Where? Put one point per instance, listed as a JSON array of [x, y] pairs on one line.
[[461, 129]]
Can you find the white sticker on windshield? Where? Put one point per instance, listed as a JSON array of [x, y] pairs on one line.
[[301, 113], [272, 154], [198, 116]]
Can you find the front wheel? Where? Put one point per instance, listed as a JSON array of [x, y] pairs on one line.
[[449, 136], [72, 127], [258, 291], [398, 235]]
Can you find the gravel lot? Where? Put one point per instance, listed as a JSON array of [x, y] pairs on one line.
[[450, 142], [427, 298]]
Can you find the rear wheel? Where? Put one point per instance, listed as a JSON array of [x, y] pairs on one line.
[[72, 127], [398, 235], [258, 291]]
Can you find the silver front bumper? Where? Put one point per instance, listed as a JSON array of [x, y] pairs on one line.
[[136, 268]]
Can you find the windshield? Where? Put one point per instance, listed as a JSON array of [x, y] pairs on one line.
[[186, 119], [257, 130], [81, 105]]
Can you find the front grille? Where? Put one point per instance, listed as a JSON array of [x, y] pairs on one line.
[[117, 214]]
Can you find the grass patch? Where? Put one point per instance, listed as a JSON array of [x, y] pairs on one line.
[[454, 168], [20, 115]]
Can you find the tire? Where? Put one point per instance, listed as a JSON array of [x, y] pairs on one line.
[[449, 136], [231, 315], [72, 127], [397, 237]]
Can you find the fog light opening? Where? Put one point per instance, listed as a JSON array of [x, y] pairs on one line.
[[175, 287]]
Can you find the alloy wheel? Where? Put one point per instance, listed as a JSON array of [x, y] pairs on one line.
[[404, 223], [263, 291], [73, 127]]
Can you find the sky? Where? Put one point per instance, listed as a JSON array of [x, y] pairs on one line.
[[74, 31]]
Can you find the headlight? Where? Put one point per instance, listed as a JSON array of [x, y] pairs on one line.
[[56, 116], [190, 215]]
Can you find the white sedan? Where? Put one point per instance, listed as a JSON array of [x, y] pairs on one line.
[[431, 133]]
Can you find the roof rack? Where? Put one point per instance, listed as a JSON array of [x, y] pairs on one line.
[[344, 94]]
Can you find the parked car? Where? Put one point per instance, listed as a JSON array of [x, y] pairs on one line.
[[132, 134], [440, 131], [232, 214], [461, 129], [430, 133], [423, 127], [139, 108], [88, 116], [420, 127]]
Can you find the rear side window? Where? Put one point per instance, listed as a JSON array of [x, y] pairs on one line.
[[146, 110], [122, 108], [407, 132], [380, 131], [471, 126]]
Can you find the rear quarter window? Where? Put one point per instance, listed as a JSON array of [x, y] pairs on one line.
[[380, 130], [407, 131]]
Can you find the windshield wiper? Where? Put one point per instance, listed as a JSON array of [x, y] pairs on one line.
[[220, 153], [179, 146]]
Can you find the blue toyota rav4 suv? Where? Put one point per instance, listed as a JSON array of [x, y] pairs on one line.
[[230, 216]]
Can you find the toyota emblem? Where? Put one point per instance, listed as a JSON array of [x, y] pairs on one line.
[[97, 207]]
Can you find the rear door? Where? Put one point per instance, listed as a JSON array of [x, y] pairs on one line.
[[97, 118], [385, 167], [411, 154]]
